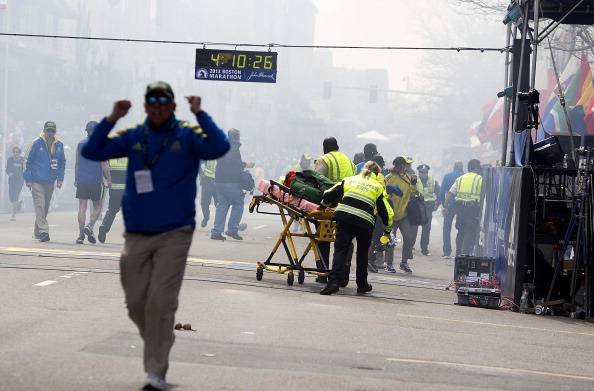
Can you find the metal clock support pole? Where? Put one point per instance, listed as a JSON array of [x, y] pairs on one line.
[[519, 81], [507, 101]]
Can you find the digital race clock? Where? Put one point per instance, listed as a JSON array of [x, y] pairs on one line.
[[236, 65]]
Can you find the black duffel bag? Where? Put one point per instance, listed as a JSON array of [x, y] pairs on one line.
[[416, 211]]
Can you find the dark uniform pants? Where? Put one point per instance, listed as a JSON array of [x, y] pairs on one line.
[[345, 233], [448, 220], [426, 228], [115, 203], [467, 224]]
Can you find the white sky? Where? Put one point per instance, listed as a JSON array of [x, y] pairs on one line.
[[401, 23]]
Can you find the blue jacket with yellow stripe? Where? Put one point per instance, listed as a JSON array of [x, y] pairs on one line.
[[171, 204]]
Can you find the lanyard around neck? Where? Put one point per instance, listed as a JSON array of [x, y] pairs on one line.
[[149, 164]]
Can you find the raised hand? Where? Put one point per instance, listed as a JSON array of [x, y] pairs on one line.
[[195, 103], [120, 109]]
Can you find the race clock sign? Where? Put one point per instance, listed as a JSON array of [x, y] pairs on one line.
[[236, 65]]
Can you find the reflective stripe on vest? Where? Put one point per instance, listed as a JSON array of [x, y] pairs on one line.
[[339, 166], [427, 191], [210, 168], [117, 171], [468, 187], [361, 190]]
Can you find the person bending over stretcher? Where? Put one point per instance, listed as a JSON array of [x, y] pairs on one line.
[[360, 197]]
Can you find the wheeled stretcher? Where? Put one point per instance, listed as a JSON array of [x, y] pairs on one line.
[[315, 224]]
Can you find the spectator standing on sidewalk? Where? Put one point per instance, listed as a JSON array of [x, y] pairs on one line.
[[88, 179], [159, 209], [44, 170], [15, 165]]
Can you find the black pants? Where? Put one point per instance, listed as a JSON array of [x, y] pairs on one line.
[[448, 220], [426, 228], [115, 203], [345, 233], [468, 225], [208, 192]]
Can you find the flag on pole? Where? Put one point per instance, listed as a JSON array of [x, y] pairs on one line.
[[578, 88]]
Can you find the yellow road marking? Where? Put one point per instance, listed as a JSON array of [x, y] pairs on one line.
[[49, 251], [473, 322], [487, 367]]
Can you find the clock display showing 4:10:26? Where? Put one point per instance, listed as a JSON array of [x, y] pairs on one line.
[[240, 61]]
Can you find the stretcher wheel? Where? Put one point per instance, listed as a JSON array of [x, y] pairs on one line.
[[301, 277], [259, 274], [290, 279]]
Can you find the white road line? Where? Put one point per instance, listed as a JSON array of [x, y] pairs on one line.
[[45, 283], [490, 368], [260, 227]]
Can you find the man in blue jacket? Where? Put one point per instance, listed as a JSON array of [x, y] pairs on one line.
[[44, 169], [159, 210]]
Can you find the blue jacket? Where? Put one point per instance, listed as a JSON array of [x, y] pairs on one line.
[[171, 204], [446, 184], [38, 167]]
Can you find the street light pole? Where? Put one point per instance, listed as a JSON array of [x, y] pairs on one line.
[[3, 181]]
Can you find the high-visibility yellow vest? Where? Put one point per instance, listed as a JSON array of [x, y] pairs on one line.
[[427, 190], [339, 166], [210, 168], [468, 187], [117, 171], [404, 182], [360, 198]]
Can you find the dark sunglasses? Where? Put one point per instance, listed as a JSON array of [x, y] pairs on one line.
[[157, 100]]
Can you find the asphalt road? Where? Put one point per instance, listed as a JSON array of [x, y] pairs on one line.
[[63, 325]]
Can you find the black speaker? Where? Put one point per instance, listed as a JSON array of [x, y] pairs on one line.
[[548, 152]]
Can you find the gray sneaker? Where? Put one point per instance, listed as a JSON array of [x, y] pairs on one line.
[[155, 382]]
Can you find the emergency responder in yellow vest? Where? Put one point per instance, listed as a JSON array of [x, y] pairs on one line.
[[360, 197], [401, 185], [117, 171], [208, 190], [429, 188], [335, 166], [467, 193]]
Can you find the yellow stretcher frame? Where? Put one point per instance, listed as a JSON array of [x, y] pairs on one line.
[[316, 226]]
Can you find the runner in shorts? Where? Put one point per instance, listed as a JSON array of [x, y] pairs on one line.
[[89, 186]]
